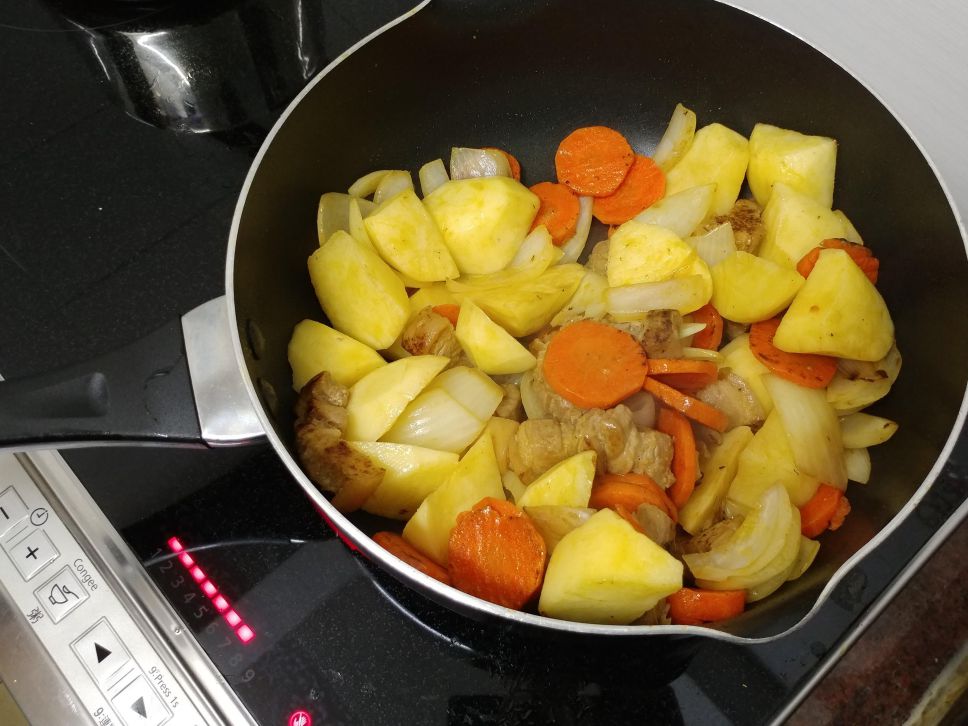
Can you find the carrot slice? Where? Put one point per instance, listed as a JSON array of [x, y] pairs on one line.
[[497, 554], [816, 515], [512, 162], [610, 491], [405, 551], [558, 212], [710, 337], [642, 187], [449, 311], [843, 509], [864, 258], [593, 161], [684, 374], [692, 606], [692, 407], [685, 463], [806, 369], [594, 365]]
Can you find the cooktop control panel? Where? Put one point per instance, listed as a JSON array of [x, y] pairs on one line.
[[83, 626]]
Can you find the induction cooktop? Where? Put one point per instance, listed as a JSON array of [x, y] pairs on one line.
[[128, 128]]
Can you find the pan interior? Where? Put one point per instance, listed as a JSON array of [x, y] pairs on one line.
[[524, 78]]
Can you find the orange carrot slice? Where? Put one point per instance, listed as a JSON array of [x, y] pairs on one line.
[[684, 374], [594, 365], [693, 606], [593, 161], [642, 187], [685, 463], [816, 515], [610, 491], [692, 407], [558, 212], [449, 311], [710, 337], [497, 554], [405, 551], [858, 253]]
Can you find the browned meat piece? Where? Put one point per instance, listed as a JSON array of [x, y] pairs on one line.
[[539, 444], [510, 406], [428, 333], [745, 219], [659, 615], [705, 540], [598, 259], [328, 461], [733, 396], [657, 332]]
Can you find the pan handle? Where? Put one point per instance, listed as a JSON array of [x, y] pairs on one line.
[[179, 385]]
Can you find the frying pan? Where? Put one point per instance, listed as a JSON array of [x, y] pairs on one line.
[[521, 75]]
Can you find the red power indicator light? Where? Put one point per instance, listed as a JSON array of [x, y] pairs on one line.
[[243, 631], [300, 718]]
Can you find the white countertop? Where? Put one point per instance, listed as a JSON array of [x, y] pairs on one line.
[[912, 55]]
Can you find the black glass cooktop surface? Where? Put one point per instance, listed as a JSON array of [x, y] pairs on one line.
[[127, 131]]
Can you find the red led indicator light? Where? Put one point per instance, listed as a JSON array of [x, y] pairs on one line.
[[300, 718], [221, 604], [245, 633]]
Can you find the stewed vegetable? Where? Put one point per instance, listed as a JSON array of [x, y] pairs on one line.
[[659, 434]]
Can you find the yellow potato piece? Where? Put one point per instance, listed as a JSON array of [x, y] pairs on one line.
[[718, 155], [793, 224], [606, 572], [483, 220], [412, 472], [568, 483], [737, 356], [360, 294], [315, 348], [477, 476], [378, 399], [640, 252], [837, 312], [490, 346], [747, 288], [407, 237], [703, 506], [804, 163]]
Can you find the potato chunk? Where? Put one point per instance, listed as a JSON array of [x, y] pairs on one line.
[[490, 346], [837, 312], [606, 572], [640, 252], [794, 224], [412, 472], [567, 483], [315, 347], [718, 155], [476, 476], [483, 220], [407, 237], [358, 291], [703, 508], [804, 163], [747, 288]]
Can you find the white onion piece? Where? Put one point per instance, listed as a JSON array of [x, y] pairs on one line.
[[681, 212], [392, 183], [468, 163], [435, 420], [812, 429], [857, 462], [532, 404], [688, 330], [677, 139], [537, 250], [757, 541], [513, 485], [642, 406], [684, 294], [356, 227], [333, 214], [573, 248], [587, 302], [805, 557], [432, 175], [702, 354], [859, 383], [715, 245], [471, 388], [860, 430], [367, 184]]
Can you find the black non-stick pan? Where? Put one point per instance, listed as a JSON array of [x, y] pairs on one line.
[[521, 76]]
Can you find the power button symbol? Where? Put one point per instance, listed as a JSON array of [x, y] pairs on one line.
[[39, 516]]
